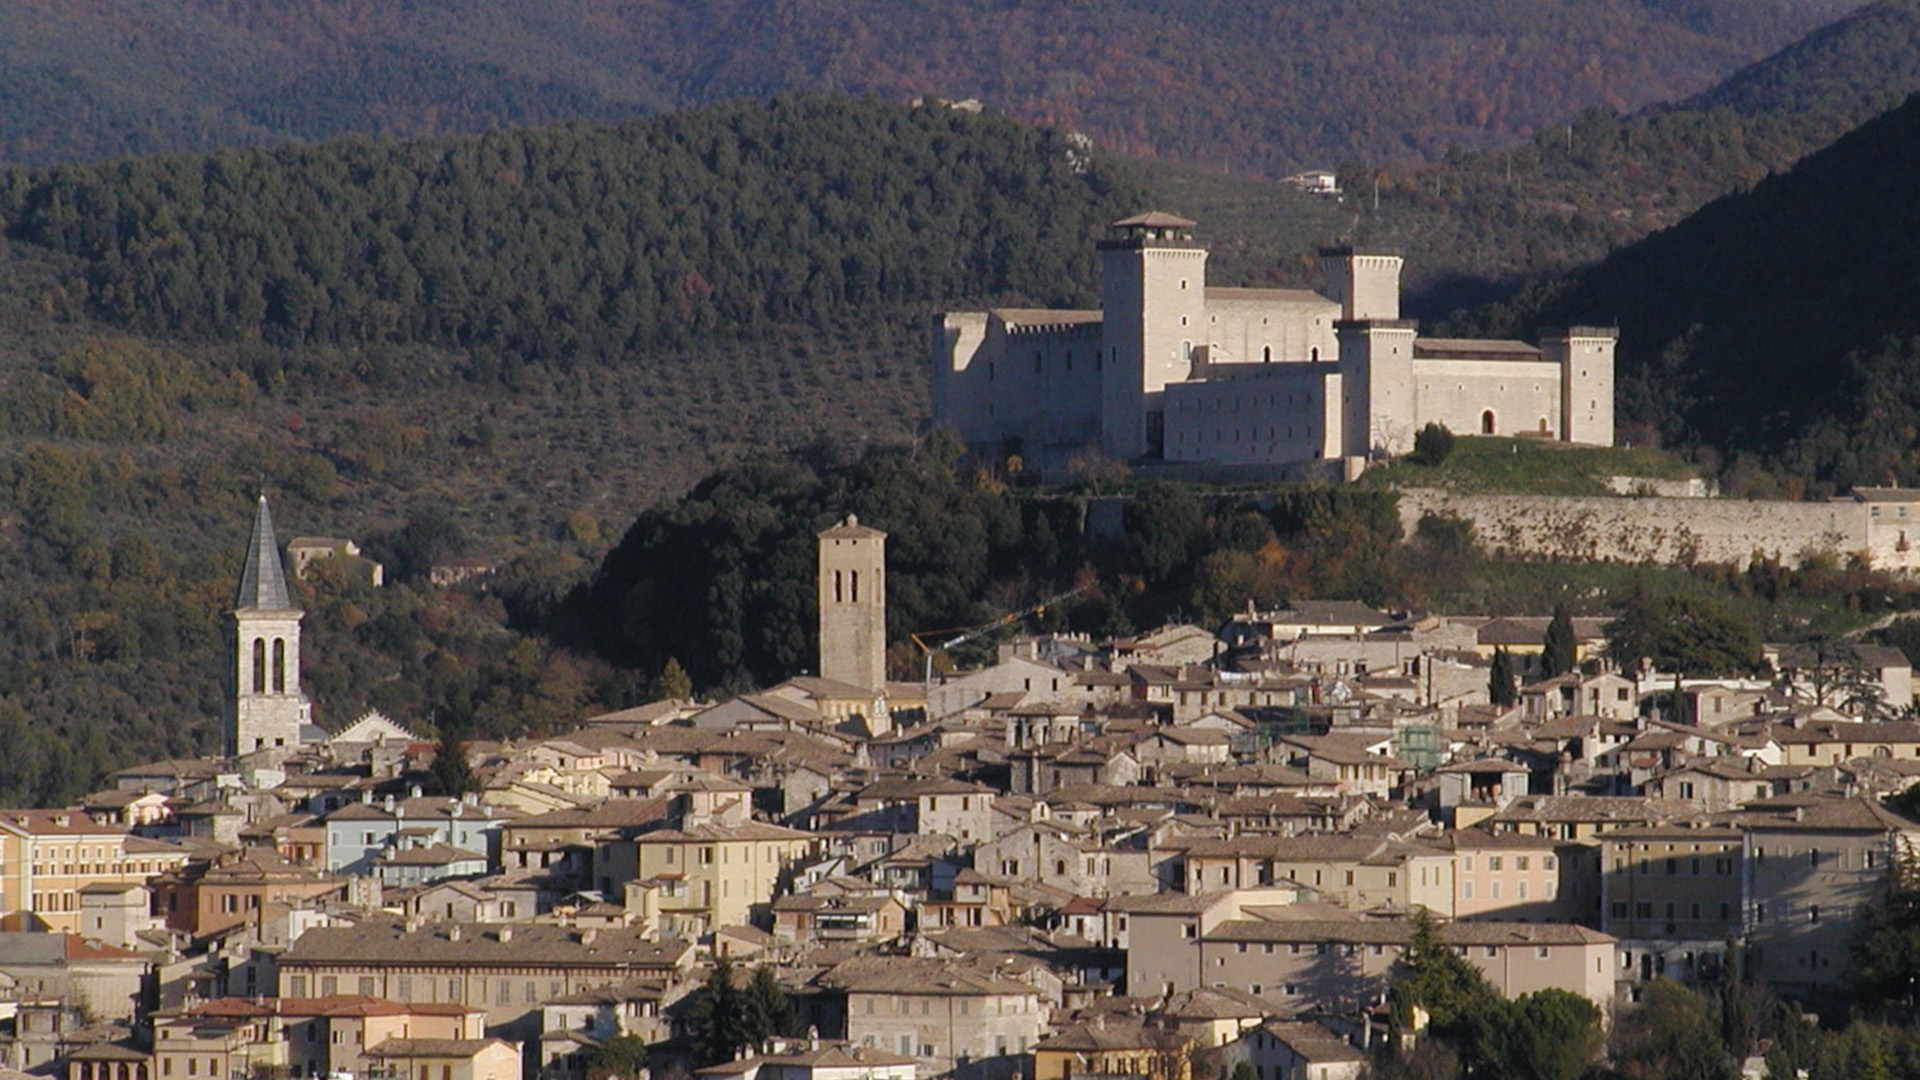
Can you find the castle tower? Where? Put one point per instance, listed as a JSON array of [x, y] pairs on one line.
[[1376, 370], [853, 605], [1366, 284], [265, 707], [1153, 285], [1585, 356]]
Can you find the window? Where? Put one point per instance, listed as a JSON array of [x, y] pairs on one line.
[[1520, 862], [1494, 862]]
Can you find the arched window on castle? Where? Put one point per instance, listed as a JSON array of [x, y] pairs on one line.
[[259, 665], [1486, 422], [279, 665]]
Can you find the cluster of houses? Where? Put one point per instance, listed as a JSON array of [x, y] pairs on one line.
[[1160, 856]]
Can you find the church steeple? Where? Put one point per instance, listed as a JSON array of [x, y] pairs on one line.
[[263, 581], [265, 708]]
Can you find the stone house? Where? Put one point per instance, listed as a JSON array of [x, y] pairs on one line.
[[1357, 872], [1516, 877], [945, 1015], [508, 969], [1809, 871], [1292, 1050]]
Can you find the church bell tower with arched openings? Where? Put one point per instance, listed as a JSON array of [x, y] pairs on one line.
[[265, 708]]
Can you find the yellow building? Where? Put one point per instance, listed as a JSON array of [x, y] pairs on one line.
[[1113, 1048], [48, 856], [711, 876]]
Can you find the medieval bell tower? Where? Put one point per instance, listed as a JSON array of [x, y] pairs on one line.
[[853, 605], [265, 707]]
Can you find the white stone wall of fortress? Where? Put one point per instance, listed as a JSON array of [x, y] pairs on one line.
[[1587, 392], [1050, 385], [1271, 418], [1524, 396], [1252, 331], [1671, 531], [960, 397], [1365, 286]]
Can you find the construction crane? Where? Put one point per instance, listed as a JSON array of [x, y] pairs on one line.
[[968, 633]]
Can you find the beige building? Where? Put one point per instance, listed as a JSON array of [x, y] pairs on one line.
[[1512, 876], [48, 858], [508, 969], [717, 875], [1171, 369], [1355, 872], [1809, 873], [940, 1013], [1313, 956], [447, 1059], [1672, 895]]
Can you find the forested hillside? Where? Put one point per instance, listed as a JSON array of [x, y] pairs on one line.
[[1260, 88], [1781, 322], [578, 242], [642, 303], [1478, 223]]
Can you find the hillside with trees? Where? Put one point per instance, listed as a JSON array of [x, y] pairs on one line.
[[1779, 322], [523, 426], [1227, 84], [1477, 224]]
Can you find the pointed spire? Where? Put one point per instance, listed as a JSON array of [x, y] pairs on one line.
[[263, 584]]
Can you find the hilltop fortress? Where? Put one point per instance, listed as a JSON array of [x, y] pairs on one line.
[[1172, 370]]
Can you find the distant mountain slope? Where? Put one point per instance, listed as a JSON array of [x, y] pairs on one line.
[[1780, 321], [1258, 87], [1861, 64], [1479, 223]]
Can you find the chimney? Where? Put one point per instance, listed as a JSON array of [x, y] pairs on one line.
[[413, 791], [505, 935], [389, 804], [588, 935], [453, 932]]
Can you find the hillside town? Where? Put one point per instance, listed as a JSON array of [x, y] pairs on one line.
[[1168, 855]]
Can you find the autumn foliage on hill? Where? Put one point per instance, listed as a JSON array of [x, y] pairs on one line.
[[1261, 88]]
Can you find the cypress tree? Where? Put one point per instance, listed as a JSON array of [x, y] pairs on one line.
[[1500, 688], [1558, 658]]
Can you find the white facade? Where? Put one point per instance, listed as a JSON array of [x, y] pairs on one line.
[[1172, 370]]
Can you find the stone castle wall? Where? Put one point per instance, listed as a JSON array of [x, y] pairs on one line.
[[1662, 530]]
